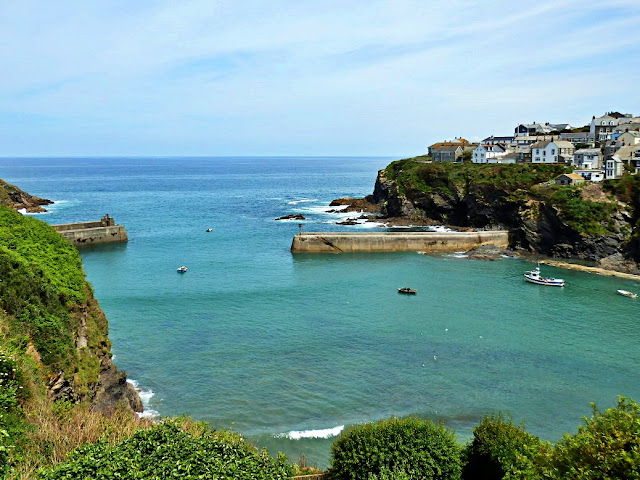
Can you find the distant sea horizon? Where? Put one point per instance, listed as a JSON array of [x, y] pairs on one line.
[[290, 350]]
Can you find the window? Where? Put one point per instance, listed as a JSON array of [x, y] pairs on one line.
[[553, 151]]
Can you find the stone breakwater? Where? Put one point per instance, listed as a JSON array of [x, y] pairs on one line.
[[338, 242], [84, 234]]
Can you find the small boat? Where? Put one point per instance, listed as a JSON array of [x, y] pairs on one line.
[[627, 294], [407, 291], [209, 230], [534, 277], [182, 269]]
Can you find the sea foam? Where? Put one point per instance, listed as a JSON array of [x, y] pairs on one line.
[[145, 398], [321, 433]]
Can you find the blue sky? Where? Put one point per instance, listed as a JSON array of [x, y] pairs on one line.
[[236, 77]]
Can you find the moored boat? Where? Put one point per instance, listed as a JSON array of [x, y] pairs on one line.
[[182, 269], [407, 291], [534, 277], [627, 293]]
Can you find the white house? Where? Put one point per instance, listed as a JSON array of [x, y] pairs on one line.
[[587, 158], [486, 152], [591, 175], [614, 168], [554, 151]]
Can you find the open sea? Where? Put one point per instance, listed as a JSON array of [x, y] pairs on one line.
[[290, 349]]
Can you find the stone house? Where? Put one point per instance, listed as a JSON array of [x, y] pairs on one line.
[[629, 155], [446, 154], [569, 179], [603, 127]]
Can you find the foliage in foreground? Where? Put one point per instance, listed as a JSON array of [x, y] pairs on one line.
[[607, 446], [396, 449], [167, 451], [500, 449]]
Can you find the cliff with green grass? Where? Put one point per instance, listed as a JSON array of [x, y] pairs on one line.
[[54, 346], [590, 221]]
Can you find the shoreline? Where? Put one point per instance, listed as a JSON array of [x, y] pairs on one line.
[[595, 270]]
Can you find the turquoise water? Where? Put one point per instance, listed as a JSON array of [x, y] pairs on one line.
[[280, 346]]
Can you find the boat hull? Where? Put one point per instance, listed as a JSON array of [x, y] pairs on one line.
[[549, 282]]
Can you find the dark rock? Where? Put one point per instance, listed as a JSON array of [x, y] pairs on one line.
[[13, 197], [349, 221], [297, 216], [488, 252], [355, 205], [619, 263]]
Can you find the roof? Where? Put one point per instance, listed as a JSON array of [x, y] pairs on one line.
[[447, 148], [542, 144], [564, 144], [572, 176], [592, 151]]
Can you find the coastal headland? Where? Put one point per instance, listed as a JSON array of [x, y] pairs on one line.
[[337, 242]]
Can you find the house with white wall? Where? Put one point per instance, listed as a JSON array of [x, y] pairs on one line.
[[554, 151], [614, 168], [588, 158], [487, 151]]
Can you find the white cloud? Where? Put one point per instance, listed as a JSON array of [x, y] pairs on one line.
[[326, 77]]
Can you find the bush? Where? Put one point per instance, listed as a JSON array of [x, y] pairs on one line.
[[498, 448], [396, 449], [607, 446], [167, 451]]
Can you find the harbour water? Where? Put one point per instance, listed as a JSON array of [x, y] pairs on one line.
[[289, 349]]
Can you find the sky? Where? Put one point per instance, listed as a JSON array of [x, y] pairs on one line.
[[292, 77]]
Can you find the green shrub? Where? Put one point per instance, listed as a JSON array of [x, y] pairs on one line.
[[166, 451], [584, 216], [607, 446], [396, 449], [498, 448]]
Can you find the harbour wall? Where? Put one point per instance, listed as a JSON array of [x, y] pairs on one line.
[[84, 234], [337, 242]]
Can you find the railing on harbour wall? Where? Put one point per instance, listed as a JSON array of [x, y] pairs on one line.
[[337, 242]]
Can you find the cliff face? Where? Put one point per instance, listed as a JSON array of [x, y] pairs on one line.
[[580, 223], [48, 314], [12, 197]]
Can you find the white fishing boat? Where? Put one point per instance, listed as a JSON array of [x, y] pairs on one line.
[[534, 277], [627, 294], [182, 269]]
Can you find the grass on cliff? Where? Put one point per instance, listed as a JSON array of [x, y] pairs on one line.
[[442, 177]]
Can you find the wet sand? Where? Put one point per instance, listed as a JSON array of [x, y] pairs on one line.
[[596, 270]]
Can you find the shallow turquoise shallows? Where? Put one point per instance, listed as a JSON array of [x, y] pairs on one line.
[[288, 349]]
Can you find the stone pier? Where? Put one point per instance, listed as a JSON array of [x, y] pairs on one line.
[[337, 242], [84, 234]]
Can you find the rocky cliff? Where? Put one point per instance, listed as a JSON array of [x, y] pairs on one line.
[[48, 314], [12, 197], [589, 222]]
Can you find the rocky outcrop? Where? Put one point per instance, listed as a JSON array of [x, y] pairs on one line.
[[17, 199], [535, 224], [297, 216]]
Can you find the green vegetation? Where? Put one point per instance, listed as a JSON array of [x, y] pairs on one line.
[[396, 448], [168, 451], [500, 449], [584, 216]]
